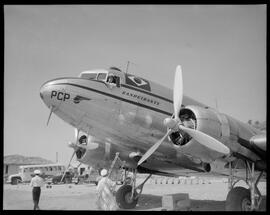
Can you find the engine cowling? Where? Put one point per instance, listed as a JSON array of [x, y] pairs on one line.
[[206, 120], [227, 130]]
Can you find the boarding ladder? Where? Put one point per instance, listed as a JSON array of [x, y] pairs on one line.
[[114, 162]]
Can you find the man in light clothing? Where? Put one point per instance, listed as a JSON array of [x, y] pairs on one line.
[[36, 183], [105, 188]]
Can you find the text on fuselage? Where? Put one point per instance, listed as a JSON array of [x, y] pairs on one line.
[[140, 97], [60, 95]]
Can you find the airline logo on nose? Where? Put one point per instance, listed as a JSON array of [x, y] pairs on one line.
[[137, 82], [78, 98]]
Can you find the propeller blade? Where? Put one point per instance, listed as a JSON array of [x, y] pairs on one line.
[[90, 146], [76, 134], [50, 115], [206, 140], [177, 102], [153, 148], [68, 166], [177, 91]]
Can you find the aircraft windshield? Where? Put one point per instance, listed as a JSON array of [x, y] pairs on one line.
[[102, 76], [89, 76]]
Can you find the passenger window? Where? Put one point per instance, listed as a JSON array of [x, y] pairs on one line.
[[50, 168], [101, 76]]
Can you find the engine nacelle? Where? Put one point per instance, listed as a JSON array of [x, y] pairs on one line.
[[206, 120], [234, 134]]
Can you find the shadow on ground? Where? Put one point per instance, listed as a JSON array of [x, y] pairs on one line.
[[147, 202]]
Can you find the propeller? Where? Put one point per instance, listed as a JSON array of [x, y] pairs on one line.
[[170, 122], [174, 123], [177, 92], [206, 140], [68, 166]]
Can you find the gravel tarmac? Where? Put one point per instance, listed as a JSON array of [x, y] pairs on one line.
[[207, 196]]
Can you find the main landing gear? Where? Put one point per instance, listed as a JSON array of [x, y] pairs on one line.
[[240, 198], [128, 194]]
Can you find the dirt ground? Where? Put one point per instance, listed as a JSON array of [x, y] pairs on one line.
[[204, 196]]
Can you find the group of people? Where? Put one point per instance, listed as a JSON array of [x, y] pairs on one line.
[[105, 191]]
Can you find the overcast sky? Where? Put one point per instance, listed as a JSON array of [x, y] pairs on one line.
[[222, 50]]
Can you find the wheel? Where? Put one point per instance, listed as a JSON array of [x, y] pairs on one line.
[[238, 199], [14, 181], [123, 197], [54, 181]]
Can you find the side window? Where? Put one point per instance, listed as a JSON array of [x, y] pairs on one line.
[[101, 76], [113, 79], [50, 168], [31, 169]]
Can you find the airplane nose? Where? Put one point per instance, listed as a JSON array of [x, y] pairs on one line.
[[44, 92], [48, 93]]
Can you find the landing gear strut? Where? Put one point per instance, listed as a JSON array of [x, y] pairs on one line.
[[127, 195], [240, 198]]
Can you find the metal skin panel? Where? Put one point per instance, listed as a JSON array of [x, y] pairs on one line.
[[132, 121]]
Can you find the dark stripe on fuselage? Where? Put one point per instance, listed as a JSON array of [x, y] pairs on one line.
[[142, 91], [117, 97], [122, 85]]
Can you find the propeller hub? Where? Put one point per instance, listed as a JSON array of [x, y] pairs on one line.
[[170, 123]]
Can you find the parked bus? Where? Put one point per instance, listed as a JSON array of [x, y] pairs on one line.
[[26, 172]]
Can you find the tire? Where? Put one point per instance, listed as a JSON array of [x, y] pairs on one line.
[[238, 199], [14, 181], [55, 181], [122, 197]]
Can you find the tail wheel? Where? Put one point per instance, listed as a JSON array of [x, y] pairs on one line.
[[124, 199], [238, 199]]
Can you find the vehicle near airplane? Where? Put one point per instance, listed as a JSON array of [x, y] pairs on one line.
[[157, 131], [26, 172]]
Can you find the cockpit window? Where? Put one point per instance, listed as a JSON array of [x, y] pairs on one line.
[[89, 76], [101, 76]]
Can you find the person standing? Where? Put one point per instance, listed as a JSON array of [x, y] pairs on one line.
[[36, 182], [105, 188]]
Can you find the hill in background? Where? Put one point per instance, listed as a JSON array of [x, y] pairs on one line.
[[23, 160]]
